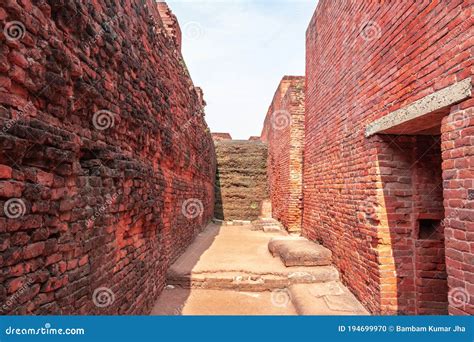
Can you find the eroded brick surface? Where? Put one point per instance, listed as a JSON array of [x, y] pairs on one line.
[[103, 141], [364, 197], [241, 179]]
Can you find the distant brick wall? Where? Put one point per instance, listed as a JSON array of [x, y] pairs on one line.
[[283, 131], [103, 143], [241, 179], [364, 197], [221, 136]]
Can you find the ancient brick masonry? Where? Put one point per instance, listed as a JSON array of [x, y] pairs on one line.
[[394, 204], [283, 131], [106, 165], [221, 136], [241, 179]]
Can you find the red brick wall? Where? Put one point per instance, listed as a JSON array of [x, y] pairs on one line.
[[362, 195], [106, 167], [410, 176], [170, 23], [458, 174], [283, 131], [221, 136]]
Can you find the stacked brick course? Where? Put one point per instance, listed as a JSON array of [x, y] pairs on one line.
[[367, 198], [283, 131], [221, 136], [106, 165], [241, 179]]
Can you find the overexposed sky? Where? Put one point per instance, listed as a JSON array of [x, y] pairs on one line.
[[237, 51]]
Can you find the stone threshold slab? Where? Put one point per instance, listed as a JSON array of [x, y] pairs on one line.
[[428, 105]]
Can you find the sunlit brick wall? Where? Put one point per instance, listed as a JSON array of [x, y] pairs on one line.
[[283, 131], [365, 60], [106, 164]]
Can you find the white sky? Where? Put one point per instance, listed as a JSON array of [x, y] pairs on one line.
[[237, 51]]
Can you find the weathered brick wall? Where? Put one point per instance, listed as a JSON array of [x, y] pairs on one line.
[[221, 136], [457, 141], [363, 197], [241, 179], [106, 167], [410, 171], [283, 131]]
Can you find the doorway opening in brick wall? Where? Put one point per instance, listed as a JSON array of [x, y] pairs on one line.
[[411, 177], [419, 205]]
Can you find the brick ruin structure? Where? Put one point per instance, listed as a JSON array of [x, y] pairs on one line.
[[107, 166], [388, 151], [221, 136], [241, 179], [283, 132], [108, 170]]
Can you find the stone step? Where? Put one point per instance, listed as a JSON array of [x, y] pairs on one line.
[[232, 222], [268, 225], [298, 251], [244, 281], [330, 298]]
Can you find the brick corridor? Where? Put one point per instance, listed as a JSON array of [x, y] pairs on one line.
[[114, 192], [229, 270]]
